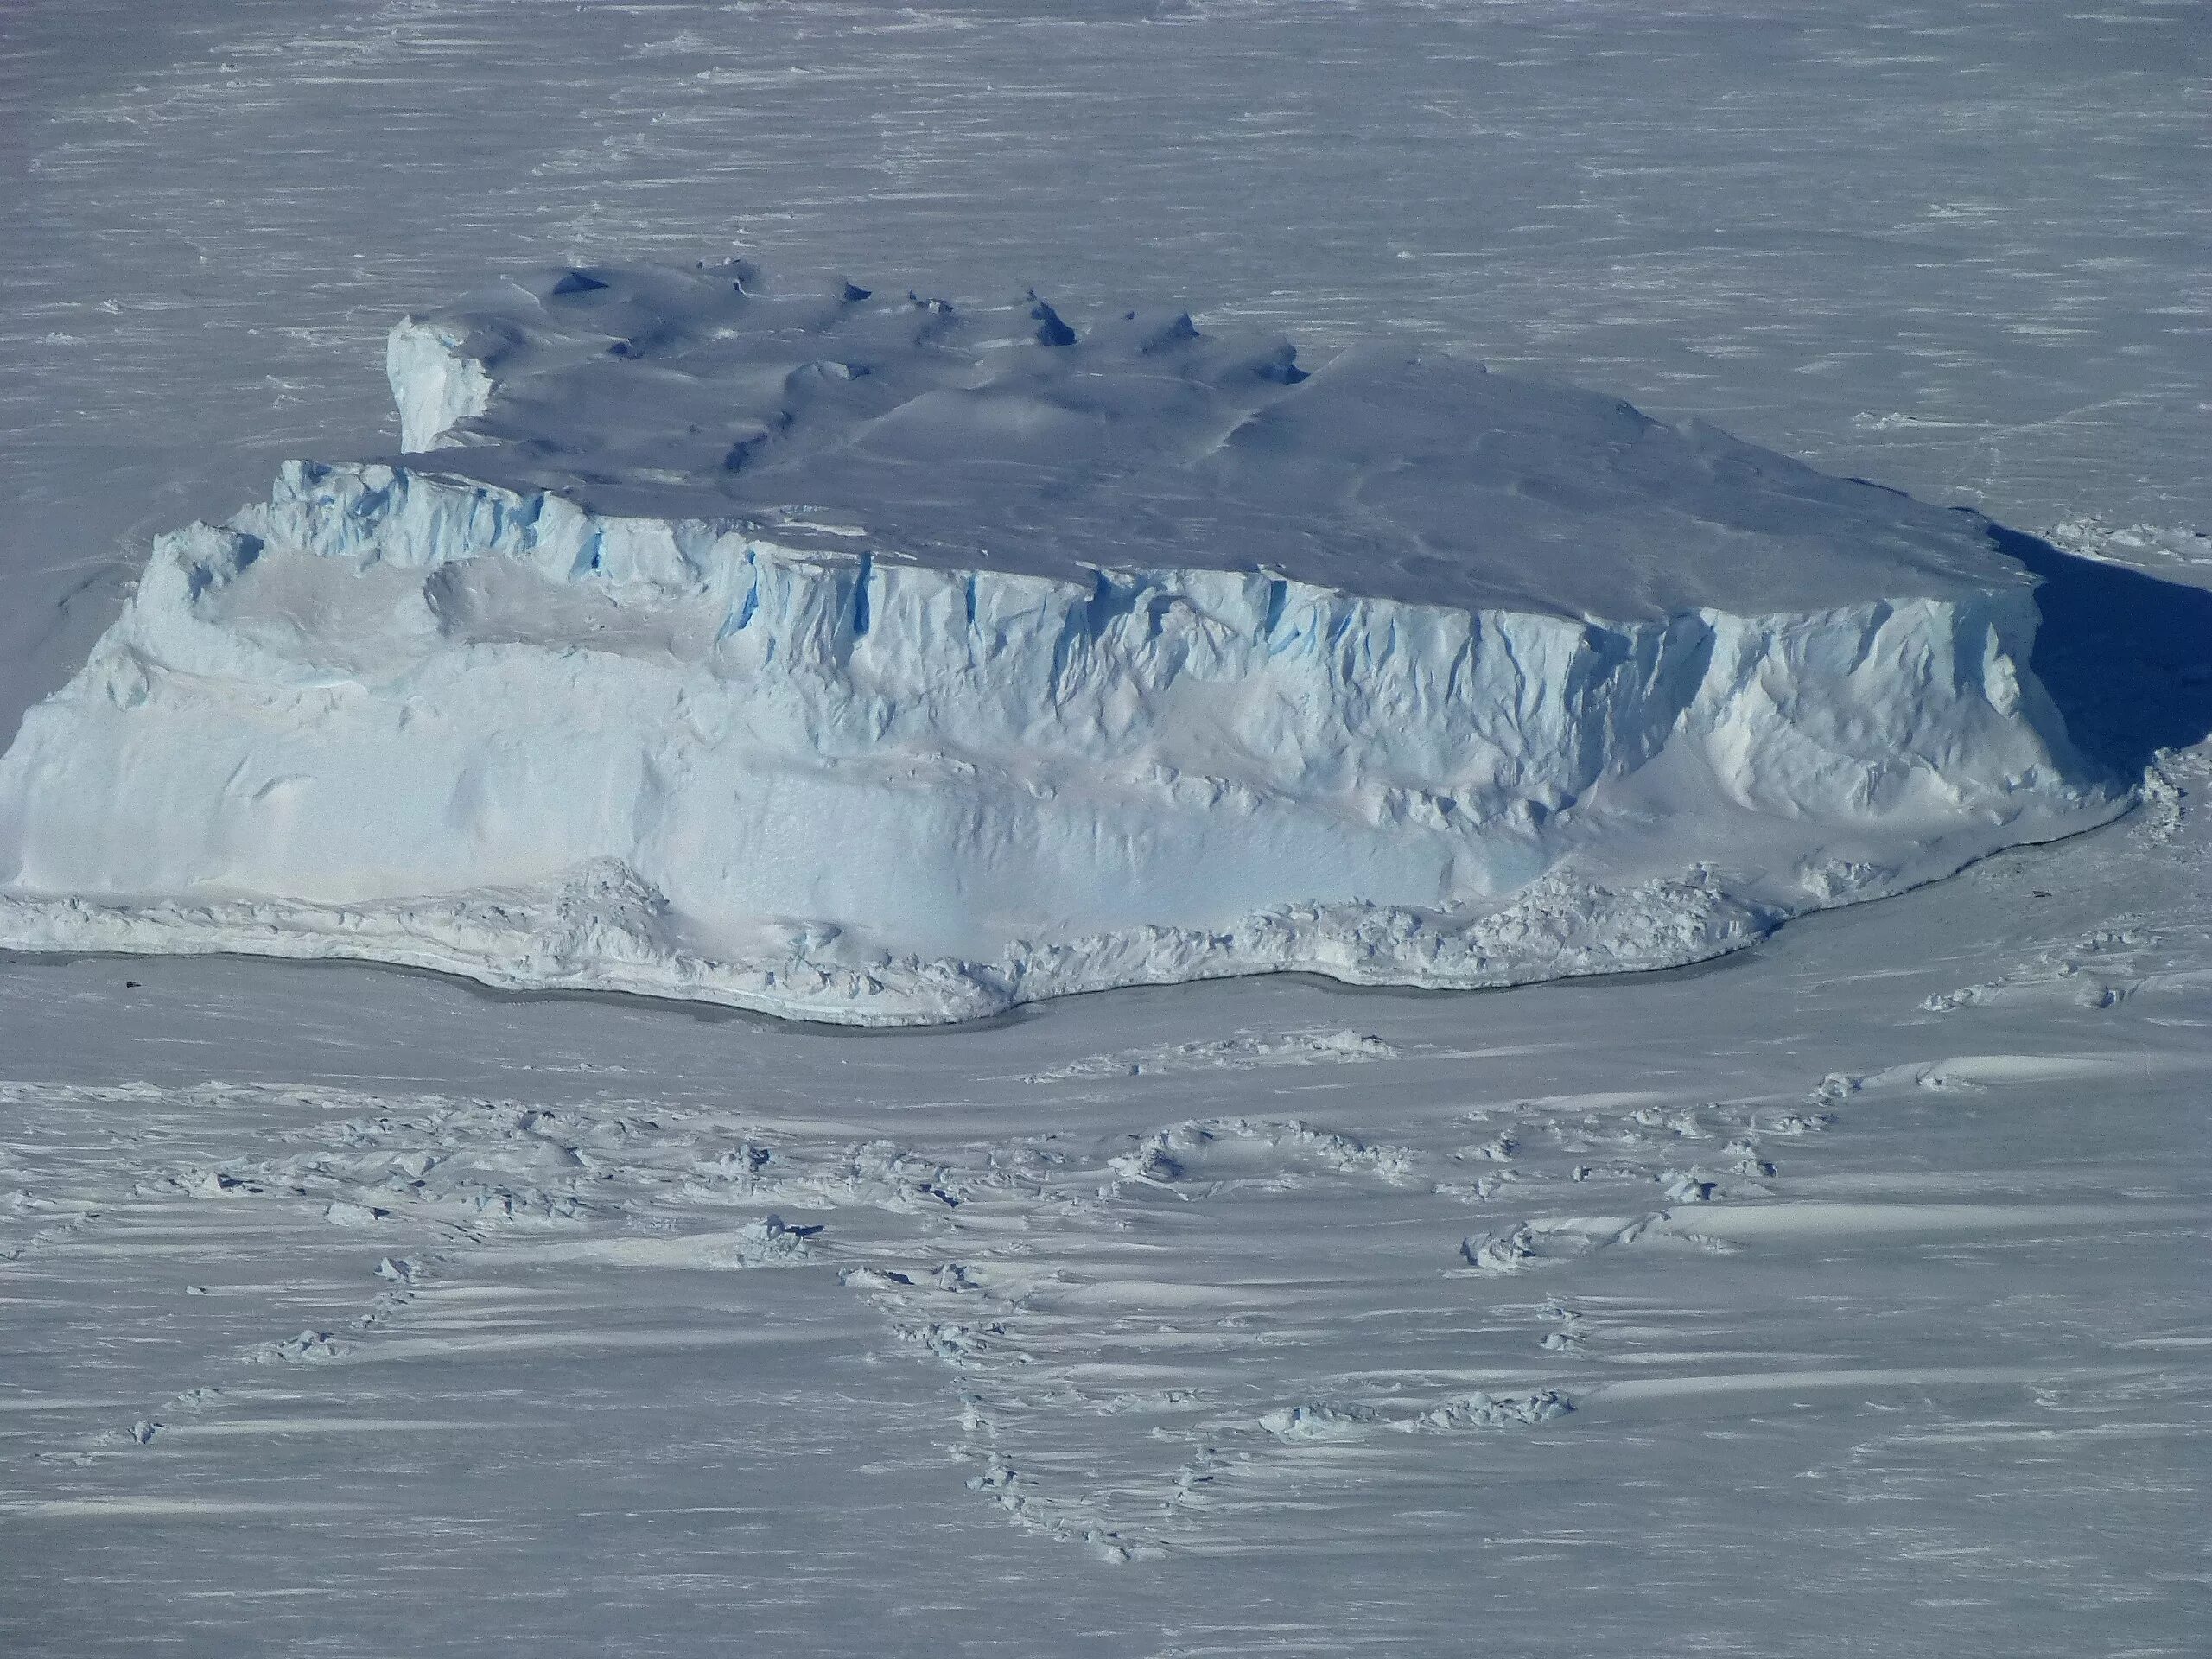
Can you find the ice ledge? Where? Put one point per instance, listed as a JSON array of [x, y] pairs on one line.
[[377, 714], [602, 928]]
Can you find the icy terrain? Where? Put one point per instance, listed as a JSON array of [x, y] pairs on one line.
[[1854, 1284], [881, 660], [1845, 1295]]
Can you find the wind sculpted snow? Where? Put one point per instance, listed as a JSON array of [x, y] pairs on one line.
[[1003, 438], [1239, 1315], [879, 661]]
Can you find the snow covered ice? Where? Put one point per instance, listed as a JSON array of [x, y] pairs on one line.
[[1844, 1294], [877, 658]]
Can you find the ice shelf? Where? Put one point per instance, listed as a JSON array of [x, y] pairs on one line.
[[859, 657]]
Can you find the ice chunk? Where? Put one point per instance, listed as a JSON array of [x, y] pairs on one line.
[[877, 660]]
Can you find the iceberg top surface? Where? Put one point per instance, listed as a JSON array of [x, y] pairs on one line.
[[1003, 438]]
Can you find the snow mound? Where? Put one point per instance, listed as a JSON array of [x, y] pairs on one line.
[[872, 660]]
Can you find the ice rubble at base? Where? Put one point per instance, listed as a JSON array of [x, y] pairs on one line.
[[873, 661]]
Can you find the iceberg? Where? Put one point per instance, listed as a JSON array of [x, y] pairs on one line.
[[867, 659]]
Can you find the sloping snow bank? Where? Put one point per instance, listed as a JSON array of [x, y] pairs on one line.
[[402, 714]]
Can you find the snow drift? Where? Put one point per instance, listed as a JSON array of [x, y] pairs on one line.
[[873, 660]]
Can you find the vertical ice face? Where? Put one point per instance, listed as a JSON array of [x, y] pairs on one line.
[[435, 383], [877, 661]]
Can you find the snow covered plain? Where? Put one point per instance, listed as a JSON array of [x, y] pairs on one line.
[[1844, 1296]]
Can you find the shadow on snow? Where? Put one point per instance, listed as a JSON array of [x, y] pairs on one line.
[[2126, 658]]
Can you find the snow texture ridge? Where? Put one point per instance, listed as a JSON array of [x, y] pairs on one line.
[[875, 661]]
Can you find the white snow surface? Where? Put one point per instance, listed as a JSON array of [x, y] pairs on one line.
[[879, 661], [1004, 438], [357, 1311]]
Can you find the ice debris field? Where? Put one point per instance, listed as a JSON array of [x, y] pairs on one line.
[[876, 658]]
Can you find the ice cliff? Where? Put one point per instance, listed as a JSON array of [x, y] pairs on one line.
[[865, 658]]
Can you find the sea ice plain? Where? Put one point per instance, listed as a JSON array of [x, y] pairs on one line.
[[878, 658], [1862, 1312]]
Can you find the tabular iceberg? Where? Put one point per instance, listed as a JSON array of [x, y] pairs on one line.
[[876, 660]]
